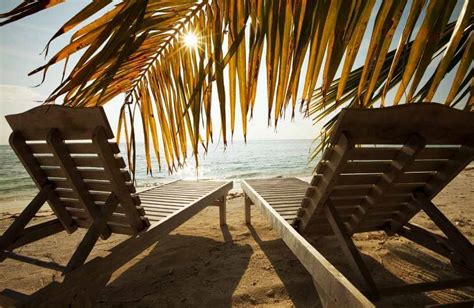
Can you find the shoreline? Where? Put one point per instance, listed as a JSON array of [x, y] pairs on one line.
[[17, 204], [9, 206]]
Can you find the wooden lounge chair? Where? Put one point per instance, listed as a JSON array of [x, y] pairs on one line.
[[79, 173], [381, 168]]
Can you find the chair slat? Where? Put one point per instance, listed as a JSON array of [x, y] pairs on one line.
[[115, 228], [86, 174], [381, 153], [99, 138], [73, 148], [17, 142], [73, 176], [80, 161], [325, 183]]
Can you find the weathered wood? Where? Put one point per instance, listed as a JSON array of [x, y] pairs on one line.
[[182, 188], [157, 216], [325, 183], [393, 125], [18, 144], [91, 174], [115, 227], [361, 179], [160, 185], [37, 232], [54, 139], [382, 166], [323, 297], [78, 281], [222, 211], [72, 123], [152, 206], [451, 168], [438, 181], [350, 250], [92, 235], [151, 202], [338, 290], [173, 194], [285, 202], [456, 239], [389, 153], [14, 230], [67, 196], [165, 199], [95, 185], [99, 138], [80, 161], [162, 209], [248, 210], [73, 147], [403, 160], [118, 218], [374, 181], [294, 206]]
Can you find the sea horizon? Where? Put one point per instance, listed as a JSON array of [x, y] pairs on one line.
[[240, 160]]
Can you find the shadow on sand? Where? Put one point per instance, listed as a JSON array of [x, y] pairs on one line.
[[181, 270], [294, 276], [279, 255], [412, 265]]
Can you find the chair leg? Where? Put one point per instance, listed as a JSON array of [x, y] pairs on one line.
[[325, 300], [351, 251], [84, 249], [37, 232], [11, 234], [248, 204], [456, 239], [92, 235], [222, 211]]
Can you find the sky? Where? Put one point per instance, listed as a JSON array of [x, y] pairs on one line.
[[22, 42]]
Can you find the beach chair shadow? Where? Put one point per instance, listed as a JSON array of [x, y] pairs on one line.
[[182, 270], [297, 282], [413, 263], [421, 265]]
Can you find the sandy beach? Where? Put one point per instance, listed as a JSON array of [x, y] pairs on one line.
[[202, 264]]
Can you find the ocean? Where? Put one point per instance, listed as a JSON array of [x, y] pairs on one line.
[[256, 159]]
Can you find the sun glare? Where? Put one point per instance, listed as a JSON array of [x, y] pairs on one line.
[[190, 40]]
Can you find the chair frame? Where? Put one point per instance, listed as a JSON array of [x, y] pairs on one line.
[[18, 235], [316, 203], [78, 274]]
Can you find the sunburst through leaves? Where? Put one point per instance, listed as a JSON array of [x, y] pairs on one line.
[[169, 56]]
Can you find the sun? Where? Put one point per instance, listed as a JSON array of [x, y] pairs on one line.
[[190, 40]]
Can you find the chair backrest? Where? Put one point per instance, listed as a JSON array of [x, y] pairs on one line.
[[69, 148], [378, 158]]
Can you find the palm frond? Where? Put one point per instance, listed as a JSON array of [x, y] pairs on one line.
[[136, 48], [26, 8]]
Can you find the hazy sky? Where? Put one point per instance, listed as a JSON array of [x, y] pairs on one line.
[[22, 42]]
